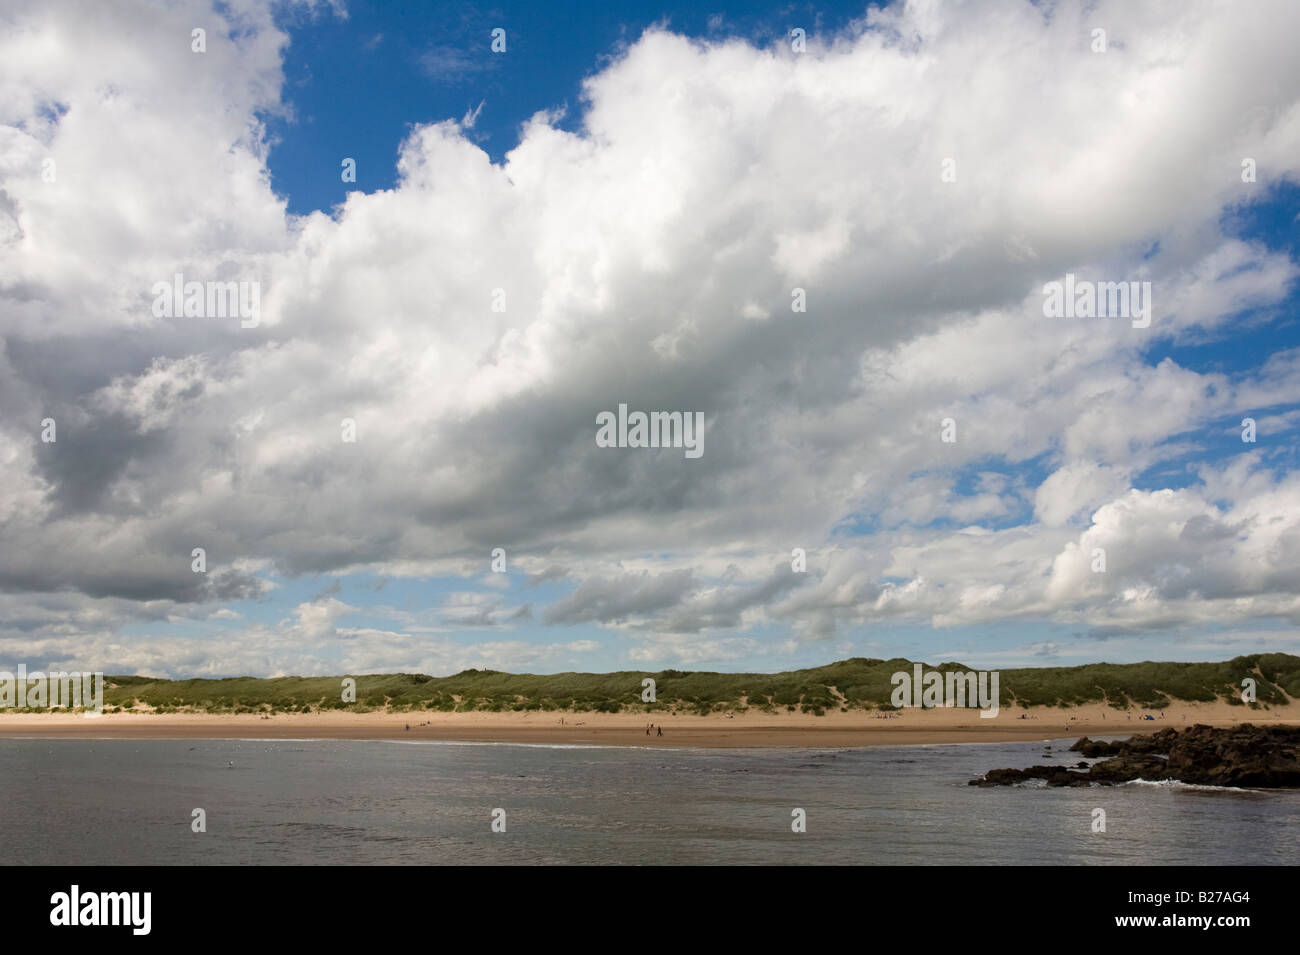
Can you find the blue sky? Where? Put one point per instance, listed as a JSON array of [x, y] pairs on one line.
[[689, 171], [357, 85], [425, 63]]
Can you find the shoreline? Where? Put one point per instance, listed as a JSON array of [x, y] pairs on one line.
[[911, 727]]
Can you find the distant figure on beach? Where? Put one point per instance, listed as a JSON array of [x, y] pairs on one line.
[[647, 730], [661, 732], [408, 727]]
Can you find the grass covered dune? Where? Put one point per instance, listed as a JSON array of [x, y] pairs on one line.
[[857, 684]]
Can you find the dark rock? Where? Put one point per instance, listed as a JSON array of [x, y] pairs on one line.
[[1052, 775], [1246, 756], [1124, 769], [1093, 748]]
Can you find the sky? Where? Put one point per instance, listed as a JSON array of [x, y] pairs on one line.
[[830, 232]]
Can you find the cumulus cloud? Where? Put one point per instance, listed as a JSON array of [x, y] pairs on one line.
[[649, 257], [1075, 488]]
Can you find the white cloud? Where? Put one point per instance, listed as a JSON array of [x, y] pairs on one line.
[[649, 257], [1075, 488]]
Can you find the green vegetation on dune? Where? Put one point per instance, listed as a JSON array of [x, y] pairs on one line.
[[1155, 684], [857, 683]]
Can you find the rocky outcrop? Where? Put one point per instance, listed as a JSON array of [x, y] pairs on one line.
[[1246, 756]]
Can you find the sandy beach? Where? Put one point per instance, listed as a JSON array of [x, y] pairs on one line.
[[750, 729]]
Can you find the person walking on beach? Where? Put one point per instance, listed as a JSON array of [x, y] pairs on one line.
[[661, 732], [647, 729]]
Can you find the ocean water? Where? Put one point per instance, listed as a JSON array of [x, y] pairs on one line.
[[87, 802]]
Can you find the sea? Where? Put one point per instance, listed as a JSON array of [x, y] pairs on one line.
[[348, 802]]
